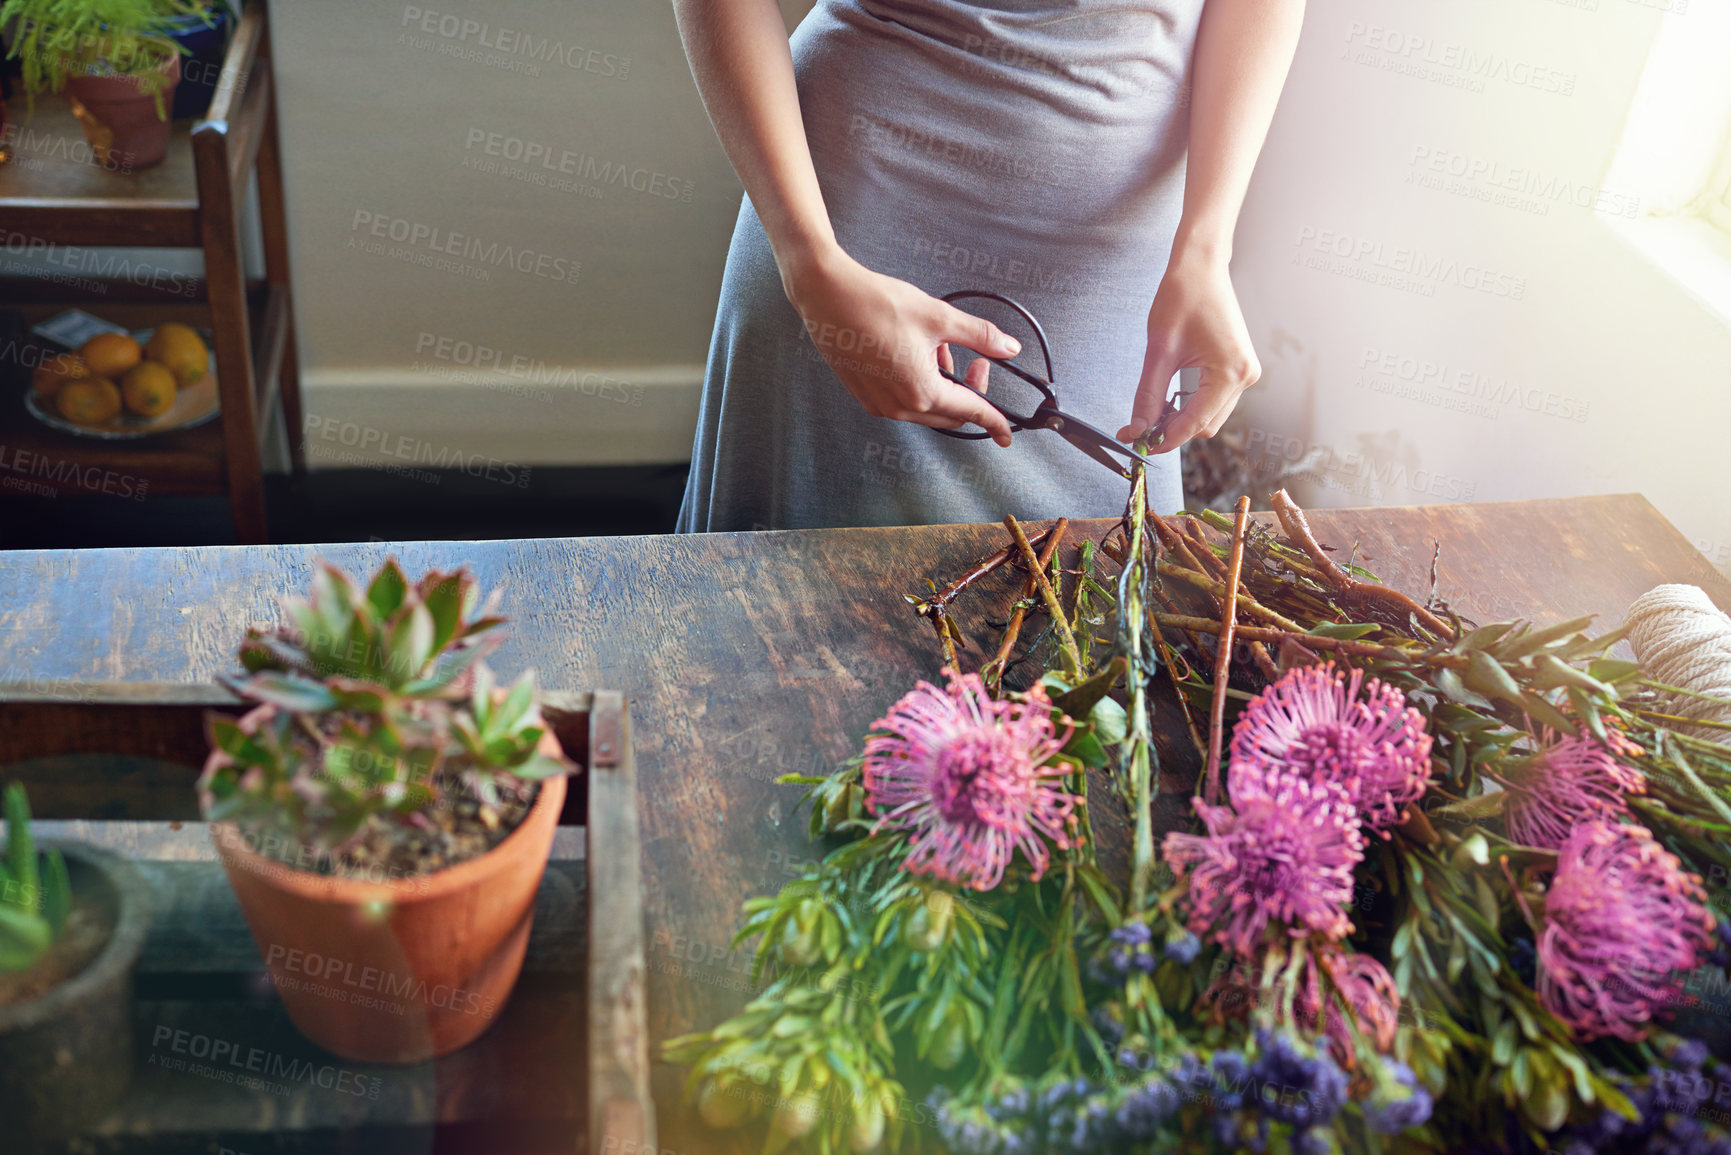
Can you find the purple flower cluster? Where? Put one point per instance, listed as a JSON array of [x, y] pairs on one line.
[[1389, 1113], [967, 775], [1314, 723], [1565, 783], [1244, 1095], [1130, 950], [1318, 759], [1368, 989], [1667, 1105], [1622, 917], [1282, 854]]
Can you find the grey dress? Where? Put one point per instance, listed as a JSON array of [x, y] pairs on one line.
[[1032, 147]]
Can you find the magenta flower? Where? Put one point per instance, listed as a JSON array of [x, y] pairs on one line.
[[1283, 853], [1563, 785], [1368, 989], [1622, 917], [1314, 724], [966, 775]]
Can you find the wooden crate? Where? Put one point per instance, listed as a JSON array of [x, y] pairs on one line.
[[565, 1066]]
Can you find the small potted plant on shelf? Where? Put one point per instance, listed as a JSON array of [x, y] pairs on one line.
[[384, 812], [72, 921], [117, 60]]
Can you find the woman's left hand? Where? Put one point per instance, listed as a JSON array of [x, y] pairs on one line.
[[1195, 322]]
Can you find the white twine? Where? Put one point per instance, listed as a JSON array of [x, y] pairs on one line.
[[1682, 639]]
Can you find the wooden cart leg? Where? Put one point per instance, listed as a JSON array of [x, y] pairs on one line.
[[273, 221], [231, 333]]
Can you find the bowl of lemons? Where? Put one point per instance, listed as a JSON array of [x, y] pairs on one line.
[[121, 385]]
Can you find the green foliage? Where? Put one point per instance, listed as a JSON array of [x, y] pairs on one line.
[[371, 702], [35, 892], [59, 39]]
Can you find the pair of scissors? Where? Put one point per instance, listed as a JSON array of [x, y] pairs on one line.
[[1096, 443]]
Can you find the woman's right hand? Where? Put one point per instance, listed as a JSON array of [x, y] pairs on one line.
[[885, 340]]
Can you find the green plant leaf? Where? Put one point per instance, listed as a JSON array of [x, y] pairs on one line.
[[1553, 672], [1613, 669], [1086, 748], [56, 890], [1079, 702], [1344, 631], [1111, 722], [290, 692], [1486, 805], [24, 936], [411, 644], [1542, 711], [443, 595], [519, 700], [354, 694], [20, 847], [389, 587], [1483, 636], [1538, 639], [1487, 675]]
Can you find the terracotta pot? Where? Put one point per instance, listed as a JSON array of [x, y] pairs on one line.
[[66, 1057], [120, 120], [396, 970]]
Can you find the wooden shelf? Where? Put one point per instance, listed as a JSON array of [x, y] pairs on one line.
[[38, 460], [49, 196], [54, 196]]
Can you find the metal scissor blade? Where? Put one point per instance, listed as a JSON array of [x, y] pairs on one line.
[[1094, 442], [1104, 458]]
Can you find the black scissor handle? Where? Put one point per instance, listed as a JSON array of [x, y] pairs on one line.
[[1043, 384]]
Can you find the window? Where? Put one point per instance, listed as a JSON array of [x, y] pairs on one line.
[[1668, 191]]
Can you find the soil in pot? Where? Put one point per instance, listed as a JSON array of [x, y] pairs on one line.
[[464, 827], [66, 1023], [378, 958]]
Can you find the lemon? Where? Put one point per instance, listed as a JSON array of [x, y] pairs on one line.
[[180, 350], [56, 371], [148, 389], [89, 400], [111, 354]]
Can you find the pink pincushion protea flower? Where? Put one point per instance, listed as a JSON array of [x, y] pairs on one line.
[[1283, 853], [1313, 723], [966, 775], [1564, 784], [1368, 989], [1622, 917]]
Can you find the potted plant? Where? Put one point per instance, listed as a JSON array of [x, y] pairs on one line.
[[72, 921], [115, 59], [384, 812], [202, 37]]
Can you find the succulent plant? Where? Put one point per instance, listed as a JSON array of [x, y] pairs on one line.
[[35, 893], [373, 702]]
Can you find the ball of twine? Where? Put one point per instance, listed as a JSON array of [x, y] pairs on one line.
[[1682, 639]]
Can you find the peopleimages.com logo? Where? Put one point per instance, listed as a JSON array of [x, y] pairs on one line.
[[433, 239], [229, 1062], [328, 970]]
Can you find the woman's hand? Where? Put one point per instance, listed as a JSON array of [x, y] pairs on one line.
[[1195, 323], [885, 340]]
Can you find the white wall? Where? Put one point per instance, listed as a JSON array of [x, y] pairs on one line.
[[603, 337], [1582, 369]]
